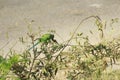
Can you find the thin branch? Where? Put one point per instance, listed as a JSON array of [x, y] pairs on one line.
[[96, 17], [4, 45]]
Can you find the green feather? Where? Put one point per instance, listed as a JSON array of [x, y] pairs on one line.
[[44, 39]]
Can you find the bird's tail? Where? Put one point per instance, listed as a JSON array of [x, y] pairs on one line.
[[33, 46]]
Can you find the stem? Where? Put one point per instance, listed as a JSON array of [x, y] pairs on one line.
[[76, 75], [31, 68], [4, 45], [34, 58]]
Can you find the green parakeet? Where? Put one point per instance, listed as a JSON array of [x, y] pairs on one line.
[[46, 38]]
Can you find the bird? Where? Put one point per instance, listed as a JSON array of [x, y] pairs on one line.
[[45, 38]]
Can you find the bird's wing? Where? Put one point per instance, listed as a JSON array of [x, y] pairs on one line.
[[45, 37]]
